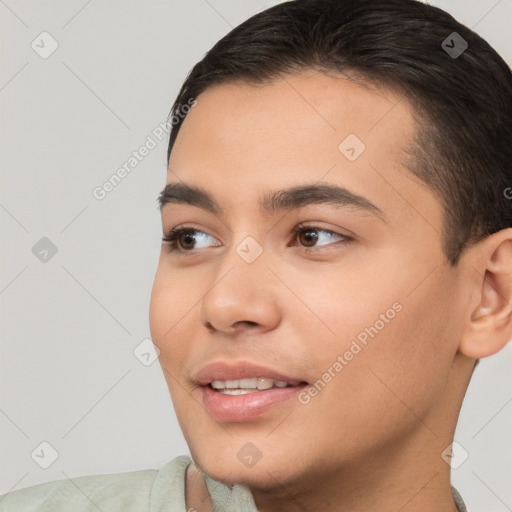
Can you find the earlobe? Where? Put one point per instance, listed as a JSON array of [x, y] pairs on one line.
[[489, 326]]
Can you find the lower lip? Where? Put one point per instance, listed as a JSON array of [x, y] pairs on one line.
[[240, 408]]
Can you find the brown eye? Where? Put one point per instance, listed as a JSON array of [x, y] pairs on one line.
[[186, 240], [183, 240], [310, 237]]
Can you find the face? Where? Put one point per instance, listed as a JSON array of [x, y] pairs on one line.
[[313, 259]]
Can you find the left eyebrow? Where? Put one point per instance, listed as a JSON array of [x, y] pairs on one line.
[[283, 199]]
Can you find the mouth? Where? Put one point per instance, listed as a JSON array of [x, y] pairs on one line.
[[243, 391], [248, 385]]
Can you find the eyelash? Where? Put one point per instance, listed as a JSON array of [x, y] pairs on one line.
[[171, 238]]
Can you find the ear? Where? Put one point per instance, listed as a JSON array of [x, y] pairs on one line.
[[489, 322]]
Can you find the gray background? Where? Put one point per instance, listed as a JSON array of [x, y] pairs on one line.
[[69, 325]]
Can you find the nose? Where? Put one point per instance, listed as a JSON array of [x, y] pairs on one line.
[[243, 297]]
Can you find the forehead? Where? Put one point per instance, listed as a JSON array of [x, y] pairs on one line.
[[306, 107], [241, 140]]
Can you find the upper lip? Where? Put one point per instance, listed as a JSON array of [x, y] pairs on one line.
[[235, 370]]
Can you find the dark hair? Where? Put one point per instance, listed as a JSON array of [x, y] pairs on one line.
[[462, 104]]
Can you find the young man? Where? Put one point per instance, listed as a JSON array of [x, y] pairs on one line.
[[337, 256]]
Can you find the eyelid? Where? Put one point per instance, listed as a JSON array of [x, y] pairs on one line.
[[346, 233], [320, 249], [183, 228], [171, 238]]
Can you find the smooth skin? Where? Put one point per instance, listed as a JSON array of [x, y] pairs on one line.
[[372, 438]]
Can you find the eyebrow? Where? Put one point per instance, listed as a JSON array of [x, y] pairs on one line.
[[271, 202]]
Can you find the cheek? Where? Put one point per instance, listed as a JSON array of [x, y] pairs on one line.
[[174, 294], [390, 347], [171, 301], [404, 364], [160, 307], [337, 307]]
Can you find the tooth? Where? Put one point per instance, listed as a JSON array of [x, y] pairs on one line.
[[254, 383], [249, 383], [264, 383], [237, 391]]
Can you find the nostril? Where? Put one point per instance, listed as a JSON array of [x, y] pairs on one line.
[[242, 323]]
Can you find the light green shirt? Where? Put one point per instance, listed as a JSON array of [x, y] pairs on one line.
[[149, 490]]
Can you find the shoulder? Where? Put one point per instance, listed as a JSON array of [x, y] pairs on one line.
[[119, 492]]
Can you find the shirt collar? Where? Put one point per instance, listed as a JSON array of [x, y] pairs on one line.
[[461, 506]]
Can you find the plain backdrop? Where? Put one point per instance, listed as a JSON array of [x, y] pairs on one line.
[[77, 272]]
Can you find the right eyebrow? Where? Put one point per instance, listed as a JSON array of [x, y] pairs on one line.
[[180, 193]]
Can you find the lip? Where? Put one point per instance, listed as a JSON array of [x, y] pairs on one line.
[[243, 408], [222, 370]]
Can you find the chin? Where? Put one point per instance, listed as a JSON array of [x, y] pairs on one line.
[[231, 464]]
